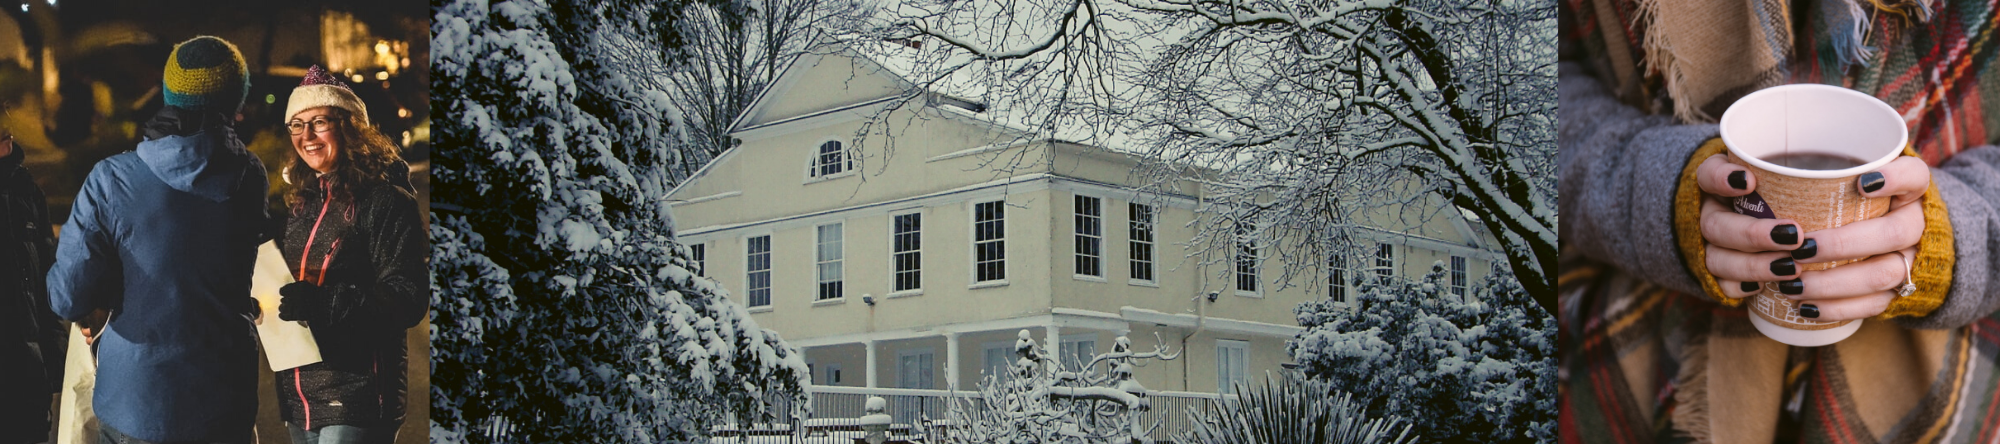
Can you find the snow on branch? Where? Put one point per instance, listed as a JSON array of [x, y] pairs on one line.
[[1034, 402], [1310, 116]]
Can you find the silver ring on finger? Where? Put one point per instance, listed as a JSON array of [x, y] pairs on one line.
[[1909, 286]]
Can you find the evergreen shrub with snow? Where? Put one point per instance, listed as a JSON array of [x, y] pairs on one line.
[[1040, 403], [564, 309], [1462, 369], [1293, 410]]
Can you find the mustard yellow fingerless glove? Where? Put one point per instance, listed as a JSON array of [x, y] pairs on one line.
[[1931, 270]]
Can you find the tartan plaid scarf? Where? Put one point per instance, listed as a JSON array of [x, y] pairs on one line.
[[1938, 73], [1929, 60], [1711, 53], [1643, 364]]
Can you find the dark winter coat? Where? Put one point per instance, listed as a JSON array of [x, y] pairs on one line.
[[28, 375], [368, 250], [166, 238]]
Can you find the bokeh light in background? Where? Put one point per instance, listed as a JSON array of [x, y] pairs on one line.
[[77, 79]]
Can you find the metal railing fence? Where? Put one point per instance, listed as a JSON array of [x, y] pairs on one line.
[[918, 415]]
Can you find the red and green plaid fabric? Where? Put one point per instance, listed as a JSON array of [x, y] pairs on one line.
[[1938, 73], [1620, 335]]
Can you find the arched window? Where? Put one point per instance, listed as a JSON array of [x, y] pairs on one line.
[[830, 160]]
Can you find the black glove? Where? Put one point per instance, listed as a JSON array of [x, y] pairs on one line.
[[304, 301]]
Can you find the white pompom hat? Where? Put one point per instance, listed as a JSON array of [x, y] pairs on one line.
[[322, 89]]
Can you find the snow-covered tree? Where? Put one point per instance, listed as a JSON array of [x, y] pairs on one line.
[[1302, 117], [1293, 410], [728, 52], [1479, 369], [564, 310], [1041, 403]]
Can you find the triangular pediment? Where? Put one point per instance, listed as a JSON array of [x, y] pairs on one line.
[[821, 81]]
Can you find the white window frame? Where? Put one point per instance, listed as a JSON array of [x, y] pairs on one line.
[[930, 371], [1006, 349], [698, 252], [1239, 243], [1132, 243], [1339, 284], [750, 271], [1223, 376], [1068, 351], [894, 273], [972, 215], [1376, 260], [839, 262], [1077, 223], [813, 161], [1460, 275]]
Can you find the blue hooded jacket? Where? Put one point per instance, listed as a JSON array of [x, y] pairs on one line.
[[165, 238]]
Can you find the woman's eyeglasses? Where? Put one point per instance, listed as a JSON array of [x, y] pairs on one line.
[[319, 125]]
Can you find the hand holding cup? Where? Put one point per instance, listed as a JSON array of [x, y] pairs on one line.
[[1812, 173], [1745, 249]]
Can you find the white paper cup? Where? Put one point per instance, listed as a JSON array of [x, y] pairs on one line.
[[1817, 119]]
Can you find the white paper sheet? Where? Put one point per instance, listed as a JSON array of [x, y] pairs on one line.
[[287, 344], [77, 422]]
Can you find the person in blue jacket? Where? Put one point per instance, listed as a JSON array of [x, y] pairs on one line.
[[164, 238]]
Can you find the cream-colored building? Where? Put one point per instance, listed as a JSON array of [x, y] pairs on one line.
[[913, 260]]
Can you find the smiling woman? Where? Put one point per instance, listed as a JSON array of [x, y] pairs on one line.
[[315, 146], [355, 245], [331, 135]]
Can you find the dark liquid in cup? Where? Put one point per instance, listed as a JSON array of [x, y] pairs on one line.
[[1815, 161]]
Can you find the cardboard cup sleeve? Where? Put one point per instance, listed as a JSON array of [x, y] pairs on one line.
[[1816, 204]]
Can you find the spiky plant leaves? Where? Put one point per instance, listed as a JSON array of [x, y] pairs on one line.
[[1291, 409]]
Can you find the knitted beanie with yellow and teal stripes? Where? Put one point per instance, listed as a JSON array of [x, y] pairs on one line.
[[206, 73]]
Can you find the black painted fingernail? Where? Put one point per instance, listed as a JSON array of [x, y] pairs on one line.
[[1751, 287], [1806, 250], [1784, 266], [1809, 311], [1739, 180], [1785, 234], [1871, 181], [1792, 287]]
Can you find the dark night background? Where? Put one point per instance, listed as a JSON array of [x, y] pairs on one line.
[[77, 77]]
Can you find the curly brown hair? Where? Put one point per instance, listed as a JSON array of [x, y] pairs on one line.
[[365, 156]]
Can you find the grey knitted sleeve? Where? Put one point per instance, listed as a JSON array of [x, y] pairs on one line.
[[1620, 170], [1969, 184], [1621, 167]]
